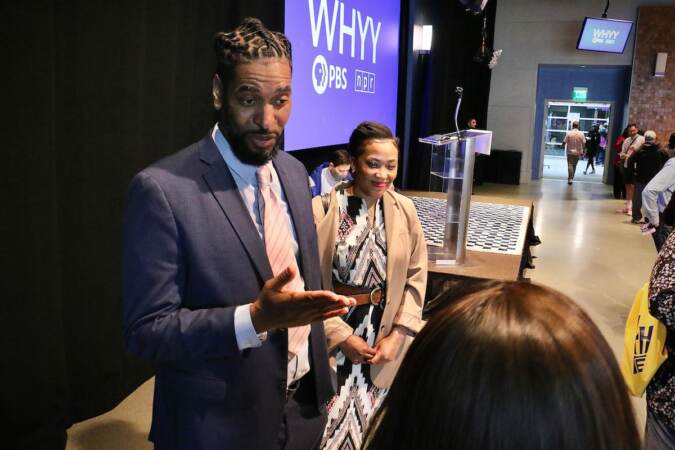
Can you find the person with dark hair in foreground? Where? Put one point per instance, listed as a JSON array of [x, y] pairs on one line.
[[372, 247], [221, 270], [512, 366]]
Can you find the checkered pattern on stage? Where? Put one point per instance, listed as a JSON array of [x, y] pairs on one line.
[[493, 227]]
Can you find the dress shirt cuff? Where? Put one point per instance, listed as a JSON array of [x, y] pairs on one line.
[[244, 330]]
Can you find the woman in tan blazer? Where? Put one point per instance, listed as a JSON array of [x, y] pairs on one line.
[[372, 248]]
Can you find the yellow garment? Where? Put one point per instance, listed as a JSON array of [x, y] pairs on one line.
[[644, 345]]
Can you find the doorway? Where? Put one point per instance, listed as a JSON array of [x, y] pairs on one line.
[[603, 84], [558, 118]]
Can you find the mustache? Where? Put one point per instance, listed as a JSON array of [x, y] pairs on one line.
[[263, 133]]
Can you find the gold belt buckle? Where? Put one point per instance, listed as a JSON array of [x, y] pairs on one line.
[[372, 301]]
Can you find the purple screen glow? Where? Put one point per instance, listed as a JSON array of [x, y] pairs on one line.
[[604, 35], [345, 68]]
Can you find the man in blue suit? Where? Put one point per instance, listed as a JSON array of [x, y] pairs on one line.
[[200, 297]]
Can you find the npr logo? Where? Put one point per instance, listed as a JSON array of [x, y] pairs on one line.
[[602, 36], [364, 82]]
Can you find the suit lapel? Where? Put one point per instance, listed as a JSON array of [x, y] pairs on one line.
[[327, 234], [297, 201], [391, 231], [223, 187]]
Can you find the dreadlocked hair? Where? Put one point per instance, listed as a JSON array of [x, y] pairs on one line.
[[249, 41]]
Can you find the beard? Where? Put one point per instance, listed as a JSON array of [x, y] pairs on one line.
[[247, 153]]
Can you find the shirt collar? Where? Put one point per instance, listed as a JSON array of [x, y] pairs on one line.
[[244, 171]]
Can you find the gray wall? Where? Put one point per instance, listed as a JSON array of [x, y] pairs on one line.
[[533, 32]]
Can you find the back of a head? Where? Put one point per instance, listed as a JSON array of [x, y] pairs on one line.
[[650, 136], [671, 140], [575, 125], [514, 366]]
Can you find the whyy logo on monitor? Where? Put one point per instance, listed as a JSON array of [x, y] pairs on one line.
[[602, 36], [361, 29]]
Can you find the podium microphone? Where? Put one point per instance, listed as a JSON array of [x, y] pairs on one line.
[[459, 91]]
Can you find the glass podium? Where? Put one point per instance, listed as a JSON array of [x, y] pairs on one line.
[[451, 171]]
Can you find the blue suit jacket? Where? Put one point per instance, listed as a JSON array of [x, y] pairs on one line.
[[191, 255]]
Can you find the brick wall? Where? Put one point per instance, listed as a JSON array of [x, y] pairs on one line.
[[652, 100]]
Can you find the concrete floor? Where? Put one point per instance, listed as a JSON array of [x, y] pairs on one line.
[[589, 252], [555, 167]]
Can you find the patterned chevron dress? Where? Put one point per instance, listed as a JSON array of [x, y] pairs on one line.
[[360, 260]]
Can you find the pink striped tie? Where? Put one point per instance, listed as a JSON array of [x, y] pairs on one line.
[[278, 240]]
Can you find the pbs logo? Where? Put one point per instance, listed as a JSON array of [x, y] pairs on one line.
[[326, 75], [320, 74]]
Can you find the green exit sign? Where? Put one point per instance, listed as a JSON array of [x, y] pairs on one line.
[[579, 94]]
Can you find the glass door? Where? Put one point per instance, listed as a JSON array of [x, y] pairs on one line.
[[558, 121]]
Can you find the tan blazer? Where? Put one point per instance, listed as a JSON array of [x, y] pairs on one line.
[[406, 274]]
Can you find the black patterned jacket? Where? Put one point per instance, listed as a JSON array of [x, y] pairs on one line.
[[661, 389]]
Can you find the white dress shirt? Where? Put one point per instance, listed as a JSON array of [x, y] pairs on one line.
[[635, 142], [245, 177], [658, 192], [328, 181]]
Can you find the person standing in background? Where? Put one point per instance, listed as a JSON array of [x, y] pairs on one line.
[[592, 147], [480, 160], [619, 185], [603, 145], [574, 146], [648, 160], [670, 147], [659, 205], [629, 146]]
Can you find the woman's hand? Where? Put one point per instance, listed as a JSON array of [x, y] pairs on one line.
[[386, 349], [357, 350]]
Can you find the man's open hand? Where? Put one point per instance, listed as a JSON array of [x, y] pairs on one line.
[[278, 308]]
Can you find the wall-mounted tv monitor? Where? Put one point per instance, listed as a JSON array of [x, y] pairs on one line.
[[345, 68], [604, 35]]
